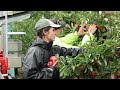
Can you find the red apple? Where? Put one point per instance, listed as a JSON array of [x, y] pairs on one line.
[[53, 58], [99, 28], [96, 63], [113, 76], [93, 74], [50, 63]]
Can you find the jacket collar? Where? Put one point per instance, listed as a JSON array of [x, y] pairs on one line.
[[39, 42]]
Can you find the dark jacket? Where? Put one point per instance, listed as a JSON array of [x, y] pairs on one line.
[[34, 64]]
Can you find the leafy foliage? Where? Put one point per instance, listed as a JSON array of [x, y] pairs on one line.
[[101, 58]]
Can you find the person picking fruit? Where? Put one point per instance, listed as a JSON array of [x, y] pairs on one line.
[[68, 40], [39, 62]]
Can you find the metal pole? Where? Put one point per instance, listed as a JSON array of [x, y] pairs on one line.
[[5, 37]]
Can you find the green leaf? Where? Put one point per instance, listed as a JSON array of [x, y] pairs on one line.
[[90, 67], [85, 70], [89, 55], [73, 67]]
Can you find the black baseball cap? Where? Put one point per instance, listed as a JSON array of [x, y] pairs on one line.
[[62, 23]]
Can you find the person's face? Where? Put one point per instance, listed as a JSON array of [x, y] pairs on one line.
[[58, 32], [51, 34]]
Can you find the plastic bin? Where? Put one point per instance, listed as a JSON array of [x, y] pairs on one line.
[[14, 45]]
